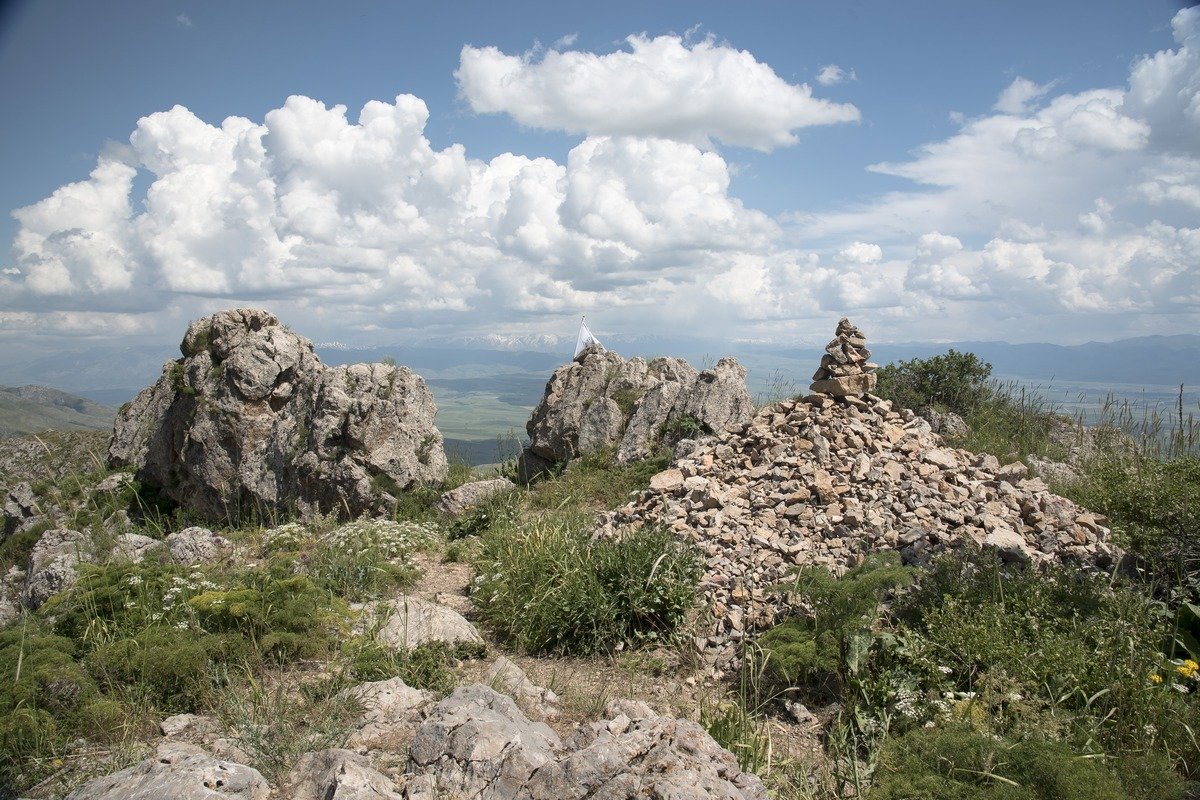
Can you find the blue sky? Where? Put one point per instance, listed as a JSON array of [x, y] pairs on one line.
[[1020, 171]]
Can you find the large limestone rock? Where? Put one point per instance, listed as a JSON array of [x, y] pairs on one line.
[[20, 510], [52, 564], [601, 400], [251, 421], [457, 502], [337, 775], [477, 743], [391, 711], [181, 772], [412, 622]]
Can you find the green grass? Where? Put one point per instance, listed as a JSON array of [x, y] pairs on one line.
[[594, 481], [544, 586]]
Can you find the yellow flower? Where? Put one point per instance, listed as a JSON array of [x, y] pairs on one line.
[[1155, 678], [1188, 669]]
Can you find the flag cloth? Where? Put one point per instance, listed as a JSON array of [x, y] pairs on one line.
[[585, 340]]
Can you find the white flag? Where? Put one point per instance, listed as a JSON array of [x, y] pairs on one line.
[[585, 340]]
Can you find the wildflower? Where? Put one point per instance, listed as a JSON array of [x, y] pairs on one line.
[[1155, 678], [944, 670], [1188, 669], [181, 625], [133, 580]]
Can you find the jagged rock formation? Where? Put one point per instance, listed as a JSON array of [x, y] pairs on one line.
[[250, 420], [52, 564], [457, 502], [477, 743], [846, 367], [601, 400], [826, 480]]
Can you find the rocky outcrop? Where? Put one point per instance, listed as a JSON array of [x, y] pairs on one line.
[[477, 743], [506, 676], [250, 421], [824, 481], [337, 775], [134, 547], [457, 502], [179, 771], [391, 711], [196, 545], [846, 367], [20, 510], [601, 400], [52, 564]]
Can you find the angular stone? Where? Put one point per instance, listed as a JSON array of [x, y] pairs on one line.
[[413, 621], [457, 501], [667, 481]]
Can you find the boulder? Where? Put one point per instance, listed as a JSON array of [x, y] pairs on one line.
[[196, 545], [647, 757], [249, 421], [20, 509], [412, 621], [601, 400], [337, 775], [391, 711], [457, 501], [505, 676], [134, 547], [477, 743], [52, 564], [181, 772]]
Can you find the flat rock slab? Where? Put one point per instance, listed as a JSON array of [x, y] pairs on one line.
[[180, 772], [337, 775], [458, 501], [413, 621]]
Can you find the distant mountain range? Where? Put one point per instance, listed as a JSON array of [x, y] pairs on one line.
[[33, 409], [113, 375]]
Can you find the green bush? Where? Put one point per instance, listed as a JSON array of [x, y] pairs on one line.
[[545, 587], [828, 645], [1051, 650], [954, 381], [957, 763]]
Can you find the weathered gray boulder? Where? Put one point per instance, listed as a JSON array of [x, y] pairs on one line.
[[624, 758], [134, 547], [52, 564], [181, 772], [507, 677], [20, 509], [196, 545], [457, 501], [337, 775], [946, 423], [601, 400], [476, 743], [412, 621], [250, 421], [391, 711]]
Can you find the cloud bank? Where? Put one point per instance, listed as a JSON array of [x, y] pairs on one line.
[[661, 87], [1056, 215]]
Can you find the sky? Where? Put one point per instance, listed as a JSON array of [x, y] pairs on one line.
[[380, 172]]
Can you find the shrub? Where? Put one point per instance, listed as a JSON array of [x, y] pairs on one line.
[[829, 644], [546, 588], [957, 763], [956, 381], [359, 560]]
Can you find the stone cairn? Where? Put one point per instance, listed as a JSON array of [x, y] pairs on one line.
[[845, 368], [823, 481]]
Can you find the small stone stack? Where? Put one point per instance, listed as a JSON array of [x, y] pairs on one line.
[[845, 368]]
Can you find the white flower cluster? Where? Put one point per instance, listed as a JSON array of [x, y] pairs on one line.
[[290, 536], [391, 539], [186, 586]]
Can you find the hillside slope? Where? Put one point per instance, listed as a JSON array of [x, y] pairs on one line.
[[32, 409]]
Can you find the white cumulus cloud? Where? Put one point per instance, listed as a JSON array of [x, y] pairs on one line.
[[831, 74], [660, 87]]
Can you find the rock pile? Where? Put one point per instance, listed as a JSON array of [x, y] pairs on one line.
[[601, 400], [845, 368], [826, 480], [250, 420]]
